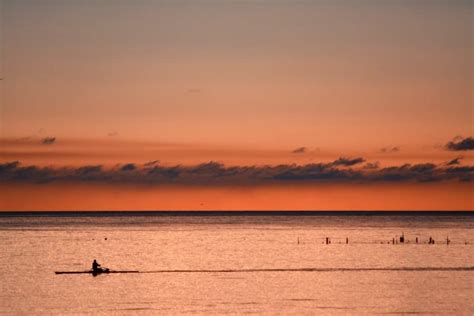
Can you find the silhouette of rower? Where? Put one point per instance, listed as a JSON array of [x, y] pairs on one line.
[[96, 266]]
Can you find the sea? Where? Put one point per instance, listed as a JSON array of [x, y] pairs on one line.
[[276, 263]]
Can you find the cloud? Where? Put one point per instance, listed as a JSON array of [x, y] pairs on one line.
[[128, 167], [390, 149], [455, 161], [48, 140], [14, 171], [151, 163], [9, 166], [165, 174], [425, 172], [85, 173], [300, 150], [86, 170], [371, 165], [316, 172], [464, 169], [459, 145], [215, 173], [343, 161], [465, 173]]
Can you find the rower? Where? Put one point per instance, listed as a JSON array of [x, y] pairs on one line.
[[95, 266]]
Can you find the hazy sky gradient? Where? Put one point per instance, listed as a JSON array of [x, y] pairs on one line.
[[320, 73]]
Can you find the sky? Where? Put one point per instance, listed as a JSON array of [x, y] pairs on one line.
[[341, 104]]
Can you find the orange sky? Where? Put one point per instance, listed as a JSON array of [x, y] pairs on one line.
[[241, 83], [288, 197], [343, 74]]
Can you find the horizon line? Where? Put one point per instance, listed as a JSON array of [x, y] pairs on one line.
[[103, 213]]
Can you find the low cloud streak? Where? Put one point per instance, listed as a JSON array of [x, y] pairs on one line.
[[48, 140], [300, 150], [461, 145]]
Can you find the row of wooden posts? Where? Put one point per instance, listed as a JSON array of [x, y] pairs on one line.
[[395, 240], [431, 241]]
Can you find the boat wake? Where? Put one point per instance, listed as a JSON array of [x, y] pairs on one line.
[[315, 270]]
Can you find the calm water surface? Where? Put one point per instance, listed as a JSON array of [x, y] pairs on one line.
[[274, 265]]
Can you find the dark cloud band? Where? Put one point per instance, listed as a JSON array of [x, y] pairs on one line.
[[213, 173]]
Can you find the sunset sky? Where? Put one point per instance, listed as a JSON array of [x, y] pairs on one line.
[[203, 104]]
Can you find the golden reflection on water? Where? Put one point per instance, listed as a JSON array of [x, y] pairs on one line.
[[33, 248]]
